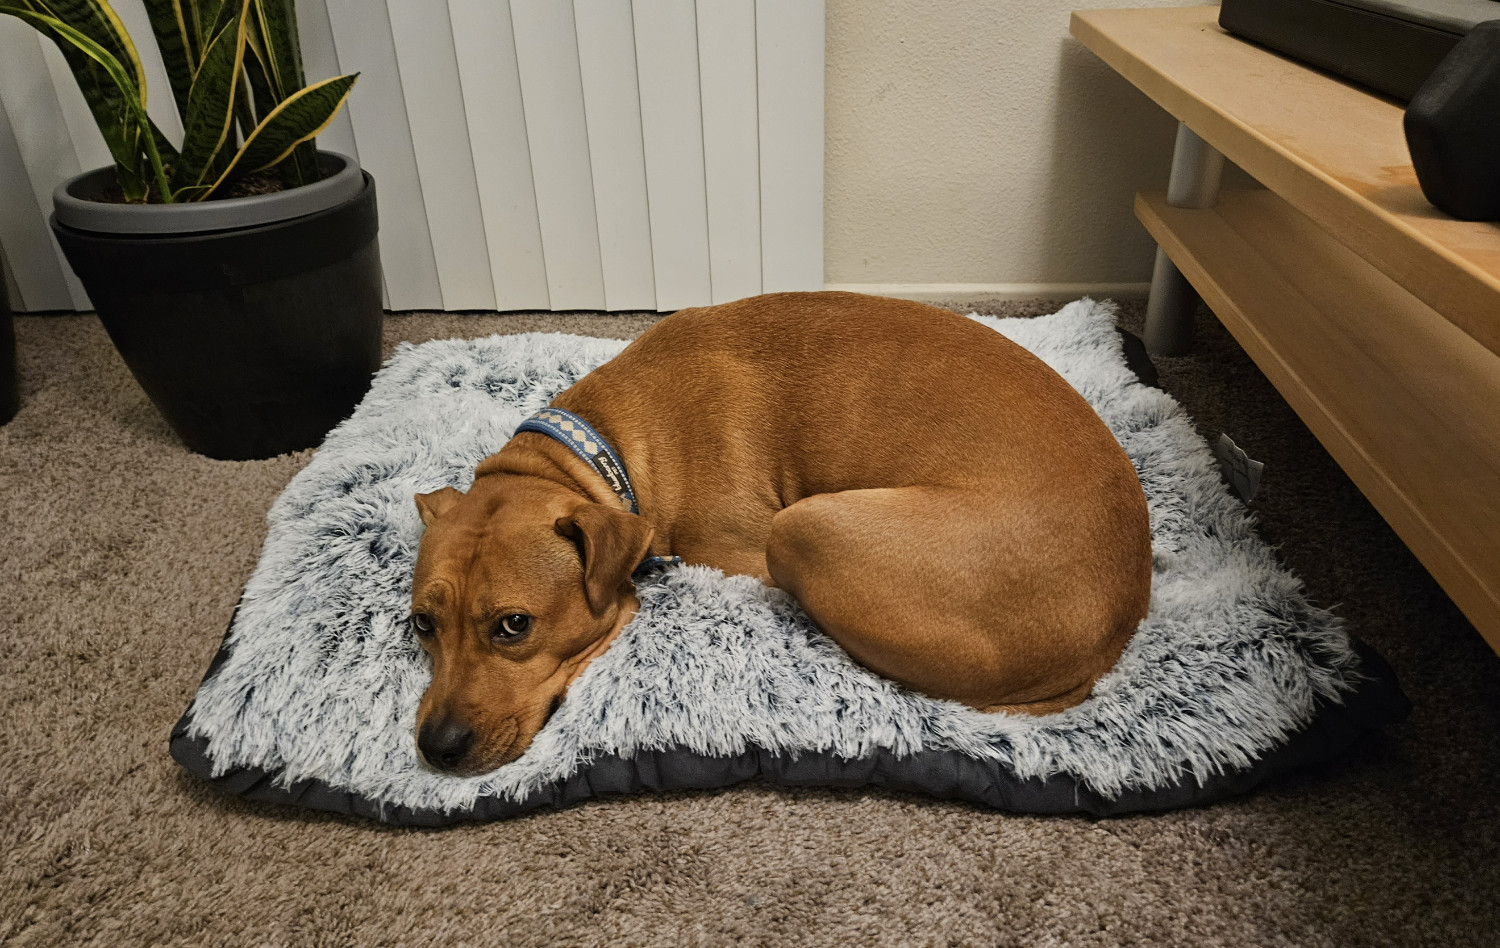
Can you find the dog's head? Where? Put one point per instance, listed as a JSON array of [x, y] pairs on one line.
[[518, 585]]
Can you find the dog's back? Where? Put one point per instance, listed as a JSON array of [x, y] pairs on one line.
[[857, 391]]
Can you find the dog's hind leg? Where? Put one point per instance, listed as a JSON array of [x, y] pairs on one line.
[[978, 598]]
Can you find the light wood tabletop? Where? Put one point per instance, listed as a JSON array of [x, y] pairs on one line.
[[1330, 148]]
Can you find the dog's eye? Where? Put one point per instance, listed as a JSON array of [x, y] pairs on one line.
[[512, 627], [421, 623]]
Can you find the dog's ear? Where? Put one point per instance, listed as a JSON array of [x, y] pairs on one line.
[[431, 506], [612, 544]]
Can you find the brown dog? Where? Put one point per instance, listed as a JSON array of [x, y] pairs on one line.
[[945, 506]]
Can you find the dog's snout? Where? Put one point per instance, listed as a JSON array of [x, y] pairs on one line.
[[445, 744]]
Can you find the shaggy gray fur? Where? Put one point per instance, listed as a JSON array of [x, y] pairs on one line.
[[323, 678]]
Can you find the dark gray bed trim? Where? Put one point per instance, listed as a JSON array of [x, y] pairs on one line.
[[1376, 702]]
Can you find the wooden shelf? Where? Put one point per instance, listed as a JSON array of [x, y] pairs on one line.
[[1375, 315], [1331, 149], [1403, 400]]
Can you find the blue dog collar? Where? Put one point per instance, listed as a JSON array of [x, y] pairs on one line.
[[581, 438]]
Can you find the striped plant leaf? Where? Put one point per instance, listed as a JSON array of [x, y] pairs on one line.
[[244, 107], [274, 67], [128, 132], [266, 96], [300, 118], [276, 24], [169, 23], [99, 90], [301, 166], [210, 113], [217, 15], [97, 20], [117, 123], [273, 29], [122, 78], [206, 19], [208, 15], [201, 16]]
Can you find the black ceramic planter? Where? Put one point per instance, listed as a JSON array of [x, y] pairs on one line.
[[252, 323]]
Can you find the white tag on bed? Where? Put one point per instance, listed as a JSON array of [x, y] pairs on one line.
[[1240, 470]]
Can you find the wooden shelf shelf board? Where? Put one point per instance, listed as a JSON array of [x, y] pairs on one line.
[[1404, 400]]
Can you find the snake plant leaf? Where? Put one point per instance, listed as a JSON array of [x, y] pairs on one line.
[[201, 16], [205, 17], [230, 13], [163, 144], [301, 166], [258, 99], [266, 97], [275, 71], [254, 93], [123, 80], [276, 25], [98, 23], [210, 113], [298, 119], [218, 15], [97, 20], [99, 91], [166, 155], [273, 64], [273, 41], [121, 112], [244, 105], [174, 37]]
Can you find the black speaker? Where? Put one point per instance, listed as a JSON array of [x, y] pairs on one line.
[[1453, 128]]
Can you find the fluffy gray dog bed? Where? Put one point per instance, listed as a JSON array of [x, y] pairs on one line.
[[1231, 678]]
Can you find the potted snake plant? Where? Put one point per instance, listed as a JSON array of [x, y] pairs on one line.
[[237, 272]]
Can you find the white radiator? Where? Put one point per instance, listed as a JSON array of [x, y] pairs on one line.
[[541, 154]]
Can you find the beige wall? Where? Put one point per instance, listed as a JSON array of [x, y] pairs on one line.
[[976, 142]]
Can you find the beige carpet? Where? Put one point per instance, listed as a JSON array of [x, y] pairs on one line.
[[122, 556]]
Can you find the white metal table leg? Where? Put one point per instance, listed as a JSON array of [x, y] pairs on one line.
[[1196, 169]]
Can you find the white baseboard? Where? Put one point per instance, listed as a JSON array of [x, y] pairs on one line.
[[1003, 291]]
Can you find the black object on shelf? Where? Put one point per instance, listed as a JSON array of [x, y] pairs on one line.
[[1389, 45], [1453, 128]]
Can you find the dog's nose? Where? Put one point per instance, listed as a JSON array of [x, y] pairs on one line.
[[445, 744]]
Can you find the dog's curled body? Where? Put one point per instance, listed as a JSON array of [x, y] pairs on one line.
[[944, 505]]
